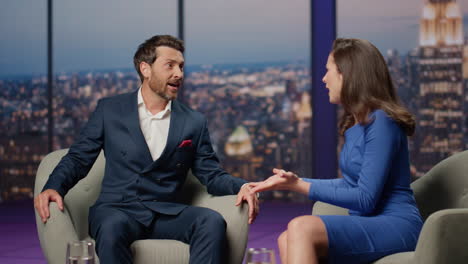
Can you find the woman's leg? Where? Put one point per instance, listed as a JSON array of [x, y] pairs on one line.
[[307, 240], [283, 246]]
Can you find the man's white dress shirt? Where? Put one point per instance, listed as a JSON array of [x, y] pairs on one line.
[[155, 128]]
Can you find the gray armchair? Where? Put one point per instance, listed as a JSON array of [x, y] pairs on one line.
[[72, 224], [442, 198]]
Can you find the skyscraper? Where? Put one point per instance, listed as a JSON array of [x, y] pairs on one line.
[[304, 130], [394, 67], [441, 91], [465, 84]]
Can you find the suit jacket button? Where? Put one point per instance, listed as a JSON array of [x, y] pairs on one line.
[[155, 200], [158, 180], [178, 165]]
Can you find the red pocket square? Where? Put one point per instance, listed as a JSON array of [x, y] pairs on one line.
[[186, 143]]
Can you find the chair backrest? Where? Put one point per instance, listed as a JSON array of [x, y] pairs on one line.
[[85, 192], [444, 186]]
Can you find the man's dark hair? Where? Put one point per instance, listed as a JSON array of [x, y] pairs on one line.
[[146, 52]]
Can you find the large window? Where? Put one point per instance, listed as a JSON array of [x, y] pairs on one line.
[[248, 72], [23, 95], [94, 44], [425, 50]]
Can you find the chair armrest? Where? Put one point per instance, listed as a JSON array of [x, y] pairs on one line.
[[443, 238], [321, 208], [55, 234], [236, 219]]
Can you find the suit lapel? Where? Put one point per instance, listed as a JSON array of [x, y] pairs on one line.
[[174, 136], [176, 129], [131, 119]]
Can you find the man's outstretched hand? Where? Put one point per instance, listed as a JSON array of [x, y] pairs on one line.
[[245, 194], [41, 203]]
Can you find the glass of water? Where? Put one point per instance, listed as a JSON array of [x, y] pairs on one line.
[[260, 256], [80, 252]]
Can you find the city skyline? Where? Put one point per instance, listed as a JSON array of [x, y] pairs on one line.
[[277, 127]]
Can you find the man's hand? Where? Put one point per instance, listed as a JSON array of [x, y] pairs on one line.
[[41, 203], [245, 194]]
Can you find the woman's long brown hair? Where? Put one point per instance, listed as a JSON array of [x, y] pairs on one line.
[[367, 85]]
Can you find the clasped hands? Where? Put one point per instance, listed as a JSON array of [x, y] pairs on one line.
[[281, 180]]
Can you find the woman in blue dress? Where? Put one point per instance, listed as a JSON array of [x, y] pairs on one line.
[[374, 162]]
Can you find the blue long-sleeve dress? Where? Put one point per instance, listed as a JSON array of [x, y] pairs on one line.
[[375, 187]]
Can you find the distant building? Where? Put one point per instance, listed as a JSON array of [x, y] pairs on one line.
[[21, 155], [291, 90], [304, 130], [411, 73], [465, 85], [394, 66], [441, 90], [409, 94], [239, 152]]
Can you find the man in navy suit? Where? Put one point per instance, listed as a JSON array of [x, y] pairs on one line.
[[150, 141]]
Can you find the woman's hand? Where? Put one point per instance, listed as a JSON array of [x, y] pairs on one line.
[[282, 180]]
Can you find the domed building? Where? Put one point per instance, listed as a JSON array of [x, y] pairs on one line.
[[240, 160], [239, 143]]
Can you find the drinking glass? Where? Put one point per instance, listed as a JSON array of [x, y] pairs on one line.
[[80, 252], [260, 256]]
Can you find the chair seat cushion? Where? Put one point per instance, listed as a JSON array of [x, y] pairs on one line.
[[152, 251], [399, 258]]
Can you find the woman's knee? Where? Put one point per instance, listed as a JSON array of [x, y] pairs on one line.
[[311, 229], [309, 224], [283, 240]]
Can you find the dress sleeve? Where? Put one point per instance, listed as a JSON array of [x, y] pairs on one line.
[[336, 183], [382, 140]]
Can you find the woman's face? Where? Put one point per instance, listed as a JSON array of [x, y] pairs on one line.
[[333, 80]]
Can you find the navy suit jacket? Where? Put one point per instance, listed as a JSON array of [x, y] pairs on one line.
[[132, 179]]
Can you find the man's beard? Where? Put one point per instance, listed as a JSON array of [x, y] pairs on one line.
[[166, 96], [162, 92]]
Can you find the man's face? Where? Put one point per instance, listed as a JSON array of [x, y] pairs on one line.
[[165, 75]]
